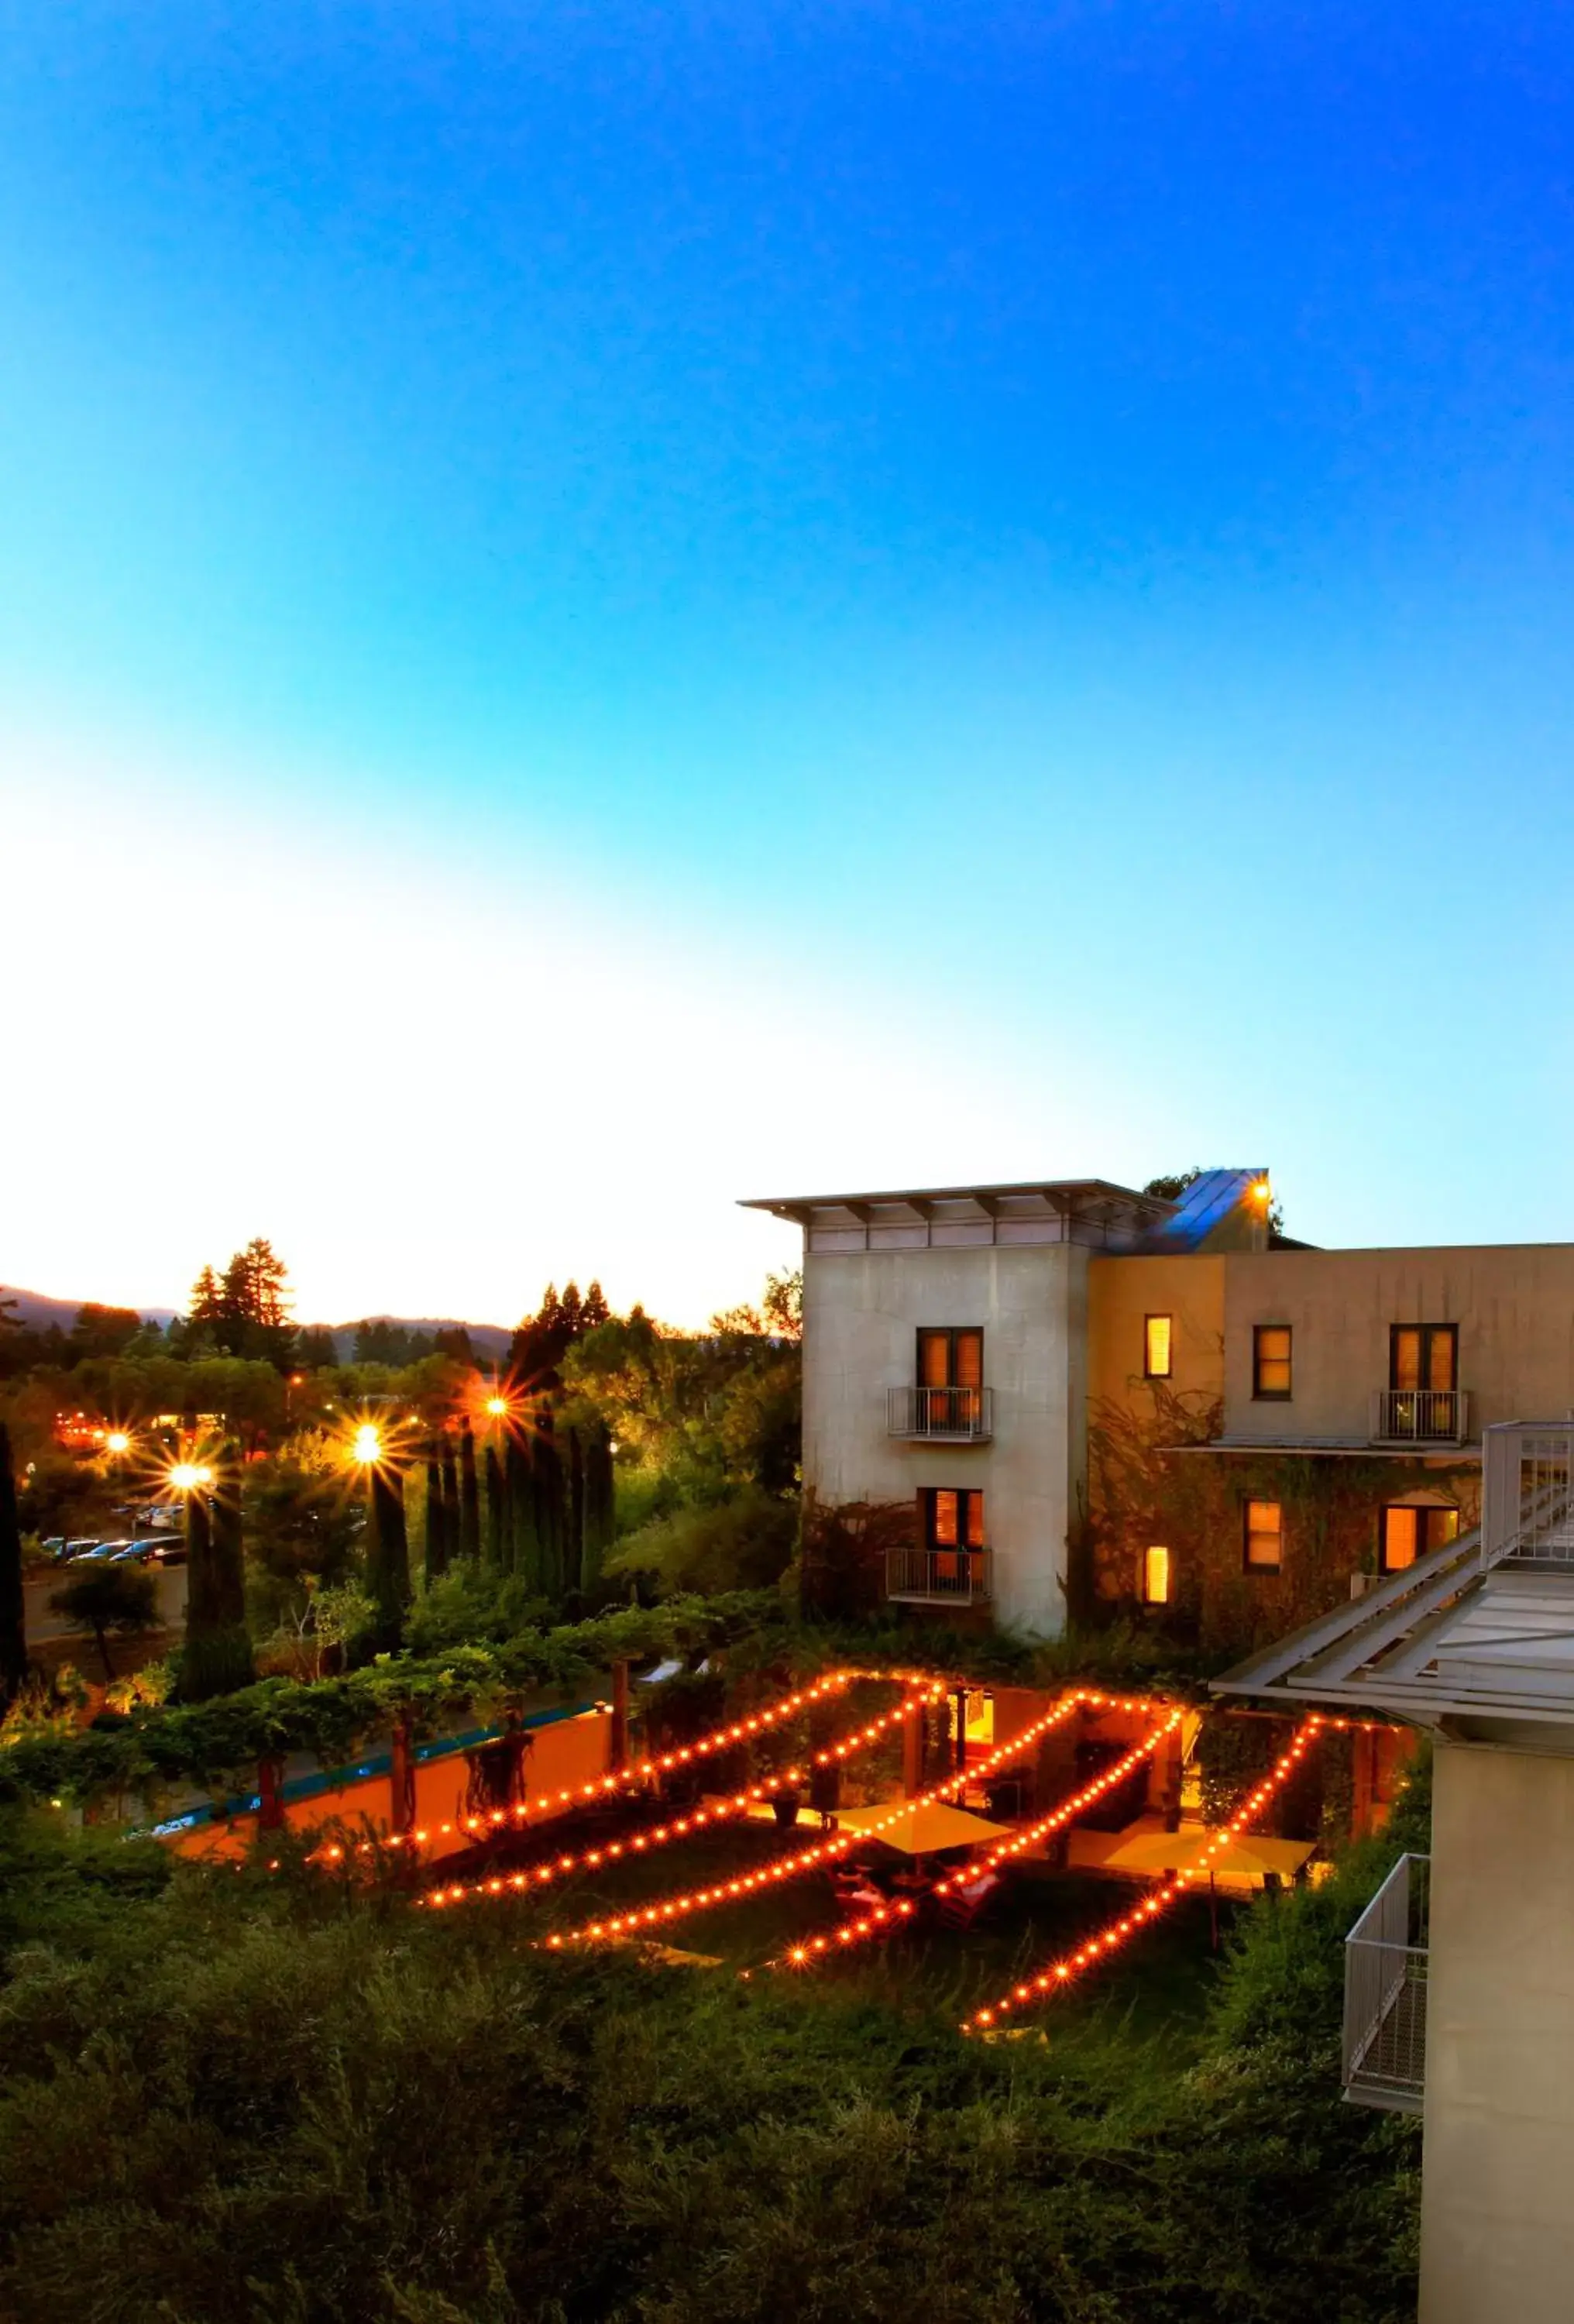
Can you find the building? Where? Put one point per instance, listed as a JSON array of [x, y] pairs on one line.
[[1067, 1399], [1459, 1974]]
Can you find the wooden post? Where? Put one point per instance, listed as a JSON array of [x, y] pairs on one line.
[[270, 1795], [401, 1780], [913, 1751], [620, 1736], [960, 1729]]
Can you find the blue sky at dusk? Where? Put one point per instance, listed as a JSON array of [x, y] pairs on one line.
[[604, 608]]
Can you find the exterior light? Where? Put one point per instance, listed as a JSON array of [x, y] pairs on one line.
[[185, 1476], [1261, 1190], [368, 1445], [117, 1441], [497, 1406]]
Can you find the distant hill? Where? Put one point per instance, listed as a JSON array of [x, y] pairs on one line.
[[486, 1338], [38, 1311]]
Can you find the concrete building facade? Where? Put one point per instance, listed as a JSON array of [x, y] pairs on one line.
[[1069, 1399]]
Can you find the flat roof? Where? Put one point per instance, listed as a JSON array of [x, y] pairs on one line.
[[1067, 1190]]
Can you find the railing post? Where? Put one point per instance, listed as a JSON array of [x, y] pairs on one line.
[[617, 1747]]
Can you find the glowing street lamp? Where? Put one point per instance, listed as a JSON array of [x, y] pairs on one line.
[[366, 1449], [497, 1406], [117, 1443], [190, 1476]]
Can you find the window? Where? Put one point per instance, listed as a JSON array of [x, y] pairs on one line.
[[951, 1374], [1265, 1537], [1409, 1529], [953, 1520], [1156, 1348], [1156, 1577], [1271, 1361], [951, 1357], [1424, 1356]]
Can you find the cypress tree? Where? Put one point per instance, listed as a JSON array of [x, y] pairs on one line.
[[12, 1606], [450, 1502], [546, 1467], [574, 1544], [437, 1519], [496, 1514], [519, 1498], [387, 1552], [217, 1657], [469, 1497], [599, 1504]]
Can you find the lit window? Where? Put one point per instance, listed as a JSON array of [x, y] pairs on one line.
[[1271, 1360], [1156, 1352], [1265, 1537], [953, 1520], [1156, 1577], [1410, 1529]]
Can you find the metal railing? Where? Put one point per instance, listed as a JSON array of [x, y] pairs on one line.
[[1527, 1493], [956, 1414], [1386, 1989], [1420, 1415], [938, 1577]]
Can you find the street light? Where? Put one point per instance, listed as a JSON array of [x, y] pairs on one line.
[[367, 1448], [117, 1443]]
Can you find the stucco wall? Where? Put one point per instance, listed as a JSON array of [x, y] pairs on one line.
[[1514, 1304], [862, 1314], [1122, 1293], [1498, 2221]]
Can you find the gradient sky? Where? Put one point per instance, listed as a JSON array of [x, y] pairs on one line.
[[608, 607]]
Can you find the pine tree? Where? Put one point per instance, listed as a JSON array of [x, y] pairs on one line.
[[12, 1607], [437, 1519], [496, 1514], [595, 1310], [469, 1499]]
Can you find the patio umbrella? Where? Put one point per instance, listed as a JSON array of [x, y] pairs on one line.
[[1242, 1858], [925, 1829]]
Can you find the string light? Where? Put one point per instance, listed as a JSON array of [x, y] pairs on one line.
[[640, 1843], [1117, 1932], [797, 1956], [787, 1868]]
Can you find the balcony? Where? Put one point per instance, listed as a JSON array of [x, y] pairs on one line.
[[1527, 1516], [938, 1577], [1420, 1415], [1385, 1988], [941, 1415]]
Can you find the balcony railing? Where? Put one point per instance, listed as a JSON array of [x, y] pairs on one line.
[[1527, 1495], [1420, 1415], [941, 1415], [938, 1577], [1385, 1989]]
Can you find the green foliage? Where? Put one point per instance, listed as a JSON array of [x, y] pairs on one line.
[[12, 1610], [219, 1742], [744, 1543], [290, 2098], [105, 1598]]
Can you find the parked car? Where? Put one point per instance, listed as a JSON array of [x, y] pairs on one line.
[[55, 1546], [87, 1545], [103, 1553], [165, 1549]]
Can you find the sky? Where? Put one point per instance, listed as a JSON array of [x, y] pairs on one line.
[[606, 608]]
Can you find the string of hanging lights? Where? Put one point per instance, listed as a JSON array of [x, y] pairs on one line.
[[878, 1920], [1098, 1948], [787, 1868], [681, 1826]]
